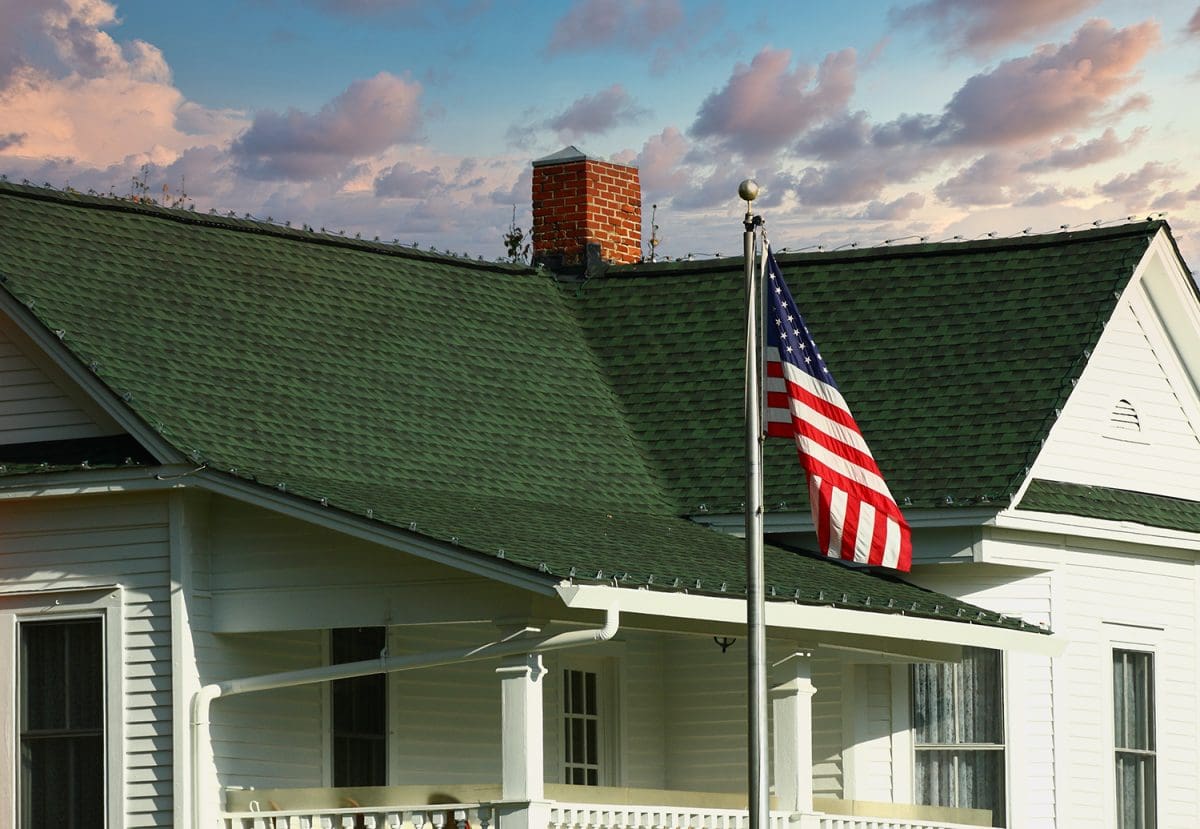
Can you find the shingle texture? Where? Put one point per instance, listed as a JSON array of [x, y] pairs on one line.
[[953, 358], [1112, 505], [561, 428]]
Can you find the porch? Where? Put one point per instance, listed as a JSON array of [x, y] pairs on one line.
[[566, 807]]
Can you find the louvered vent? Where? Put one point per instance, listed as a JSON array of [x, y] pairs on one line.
[[1124, 417]]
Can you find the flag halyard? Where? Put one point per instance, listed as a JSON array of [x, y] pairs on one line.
[[854, 514]]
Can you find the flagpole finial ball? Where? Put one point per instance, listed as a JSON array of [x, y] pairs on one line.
[[748, 190]]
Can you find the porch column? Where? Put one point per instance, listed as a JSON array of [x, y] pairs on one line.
[[521, 768], [791, 703]]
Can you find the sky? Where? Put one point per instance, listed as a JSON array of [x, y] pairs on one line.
[[863, 122]]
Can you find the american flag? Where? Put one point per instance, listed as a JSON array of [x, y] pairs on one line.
[[854, 513]]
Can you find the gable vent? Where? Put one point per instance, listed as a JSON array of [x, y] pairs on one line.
[[1124, 417]]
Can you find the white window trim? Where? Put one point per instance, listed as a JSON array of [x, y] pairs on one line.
[[103, 603], [610, 704], [1144, 640], [1006, 746]]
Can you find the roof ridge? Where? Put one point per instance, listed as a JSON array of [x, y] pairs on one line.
[[882, 251], [264, 227]]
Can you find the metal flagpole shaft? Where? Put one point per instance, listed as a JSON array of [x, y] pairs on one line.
[[756, 659]]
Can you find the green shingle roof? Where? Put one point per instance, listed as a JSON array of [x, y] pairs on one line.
[[1112, 505], [953, 358], [562, 428]]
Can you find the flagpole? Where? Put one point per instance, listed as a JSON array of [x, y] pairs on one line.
[[756, 662]]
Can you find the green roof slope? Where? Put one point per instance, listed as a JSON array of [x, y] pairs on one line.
[[305, 361], [453, 399], [1112, 505], [953, 358]]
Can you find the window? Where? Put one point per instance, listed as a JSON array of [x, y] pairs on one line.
[[584, 754], [61, 724], [958, 724], [359, 710], [1133, 732]]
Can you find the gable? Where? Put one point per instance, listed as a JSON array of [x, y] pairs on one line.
[[1133, 420], [38, 402]]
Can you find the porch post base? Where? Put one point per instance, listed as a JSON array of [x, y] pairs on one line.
[[522, 814]]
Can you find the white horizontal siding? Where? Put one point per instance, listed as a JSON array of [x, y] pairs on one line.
[[61, 544], [1131, 362], [269, 738], [34, 403], [1030, 705], [828, 738]]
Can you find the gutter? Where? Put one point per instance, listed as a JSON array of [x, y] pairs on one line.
[[523, 642]]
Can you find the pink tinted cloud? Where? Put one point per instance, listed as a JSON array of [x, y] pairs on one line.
[[1053, 89], [1134, 188], [981, 26], [660, 164], [1068, 154], [629, 24], [369, 117], [1193, 24], [767, 105], [990, 179], [405, 181], [595, 114], [895, 210]]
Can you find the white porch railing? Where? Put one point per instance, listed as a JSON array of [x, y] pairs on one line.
[[849, 822], [598, 816], [261, 810], [463, 815]]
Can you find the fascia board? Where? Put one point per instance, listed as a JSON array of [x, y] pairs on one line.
[[373, 531], [101, 395], [90, 482], [840, 622], [800, 522], [1077, 526]]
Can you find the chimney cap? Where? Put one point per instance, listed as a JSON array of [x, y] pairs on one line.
[[564, 156]]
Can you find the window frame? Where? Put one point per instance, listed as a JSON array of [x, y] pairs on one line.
[[1114, 647], [1004, 748], [609, 727], [104, 603], [328, 692]]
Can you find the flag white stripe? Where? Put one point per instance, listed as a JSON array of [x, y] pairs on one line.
[[839, 464], [811, 384], [838, 431], [866, 531], [837, 518], [891, 545]]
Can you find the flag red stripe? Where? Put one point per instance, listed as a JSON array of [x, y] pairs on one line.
[[850, 528], [854, 488]]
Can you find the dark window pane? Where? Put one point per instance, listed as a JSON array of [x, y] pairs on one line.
[[962, 779], [62, 738], [592, 759], [590, 680], [359, 710]]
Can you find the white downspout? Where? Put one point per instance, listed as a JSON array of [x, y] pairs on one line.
[[203, 799]]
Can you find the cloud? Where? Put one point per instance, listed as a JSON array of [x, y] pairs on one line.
[[601, 24], [990, 179], [1053, 89], [766, 106], [1193, 24], [598, 113], [1134, 188], [370, 116], [1068, 154], [982, 26], [95, 100], [12, 139], [895, 210], [403, 180], [659, 164], [1049, 196]]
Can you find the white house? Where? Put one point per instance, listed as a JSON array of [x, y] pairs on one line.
[[299, 530]]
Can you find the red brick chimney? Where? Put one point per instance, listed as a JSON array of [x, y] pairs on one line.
[[585, 210]]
